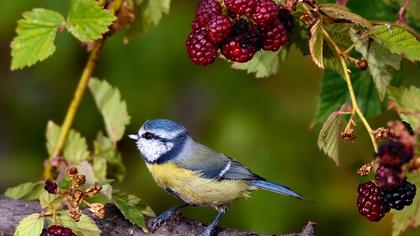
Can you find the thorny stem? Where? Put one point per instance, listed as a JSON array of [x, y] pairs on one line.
[[401, 12], [351, 91], [78, 95]]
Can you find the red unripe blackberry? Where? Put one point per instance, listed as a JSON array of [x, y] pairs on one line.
[[50, 186], [241, 7], [286, 18], [389, 177], [274, 36], [58, 230], [232, 50], [206, 10], [398, 197], [395, 153], [201, 50], [218, 29], [368, 202], [195, 25], [266, 11]]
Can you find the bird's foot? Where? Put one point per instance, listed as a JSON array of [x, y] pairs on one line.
[[208, 231], [161, 219]]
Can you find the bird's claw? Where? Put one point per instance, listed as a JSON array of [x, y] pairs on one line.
[[207, 232], [161, 219]]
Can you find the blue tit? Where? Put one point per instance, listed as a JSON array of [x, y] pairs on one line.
[[194, 173]]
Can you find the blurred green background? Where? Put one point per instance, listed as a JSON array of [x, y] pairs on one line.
[[264, 123]]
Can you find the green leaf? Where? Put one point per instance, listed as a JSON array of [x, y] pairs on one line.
[[50, 200], [87, 21], [263, 64], [26, 191], [397, 40], [31, 225], [329, 136], [334, 93], [112, 108], [148, 14], [408, 104], [316, 42], [342, 13], [75, 148], [35, 37], [382, 64], [85, 227], [410, 216], [132, 208], [340, 33]]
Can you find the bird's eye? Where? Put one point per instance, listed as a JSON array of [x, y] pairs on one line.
[[148, 135]]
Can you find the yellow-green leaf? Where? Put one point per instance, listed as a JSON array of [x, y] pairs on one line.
[[35, 37], [343, 13], [87, 21], [316, 42], [329, 136], [408, 104], [263, 64], [85, 227], [25, 191], [31, 225], [50, 200]]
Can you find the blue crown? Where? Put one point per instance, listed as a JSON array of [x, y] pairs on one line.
[[163, 124]]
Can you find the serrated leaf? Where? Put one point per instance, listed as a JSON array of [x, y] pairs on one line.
[[31, 225], [87, 21], [85, 227], [334, 93], [75, 148], [340, 33], [263, 64], [50, 200], [132, 208], [26, 191], [112, 108], [148, 14], [382, 64], [410, 216], [35, 37], [397, 40], [329, 136], [316, 42], [408, 104], [343, 13]]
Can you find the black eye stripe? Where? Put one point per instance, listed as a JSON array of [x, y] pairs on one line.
[[148, 135]]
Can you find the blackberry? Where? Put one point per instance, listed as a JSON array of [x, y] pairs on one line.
[[206, 10], [248, 35], [368, 202], [286, 18], [274, 36], [241, 7], [218, 29], [408, 128], [195, 25], [398, 197], [265, 12], [201, 50], [231, 48], [389, 177], [393, 153], [58, 230], [50, 186]]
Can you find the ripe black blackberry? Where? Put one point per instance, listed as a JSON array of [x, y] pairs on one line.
[[206, 10], [218, 29], [58, 230], [389, 177], [398, 197], [201, 50], [286, 18], [266, 11], [241, 7], [50, 186], [368, 202], [274, 36], [394, 153]]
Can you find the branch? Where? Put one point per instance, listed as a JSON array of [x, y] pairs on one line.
[[401, 12], [342, 2], [12, 211]]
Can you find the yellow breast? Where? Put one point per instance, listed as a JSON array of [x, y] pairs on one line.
[[194, 189]]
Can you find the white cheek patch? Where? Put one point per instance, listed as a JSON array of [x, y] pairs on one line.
[[152, 149]]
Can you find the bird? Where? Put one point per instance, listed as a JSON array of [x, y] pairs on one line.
[[194, 173]]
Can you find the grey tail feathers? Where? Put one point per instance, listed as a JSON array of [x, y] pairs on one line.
[[276, 188]]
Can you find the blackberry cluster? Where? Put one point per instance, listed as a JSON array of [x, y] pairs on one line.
[[391, 188], [50, 186], [238, 28], [58, 230]]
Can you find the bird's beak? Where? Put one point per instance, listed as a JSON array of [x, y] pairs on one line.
[[133, 136]]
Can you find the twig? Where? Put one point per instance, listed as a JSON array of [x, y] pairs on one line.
[[342, 2], [401, 12]]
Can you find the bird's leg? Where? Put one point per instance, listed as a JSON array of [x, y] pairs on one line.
[[209, 230], [165, 216]]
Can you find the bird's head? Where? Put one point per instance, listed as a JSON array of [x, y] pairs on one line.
[[160, 139]]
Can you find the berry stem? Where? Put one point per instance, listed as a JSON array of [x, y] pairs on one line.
[[355, 105], [77, 97]]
